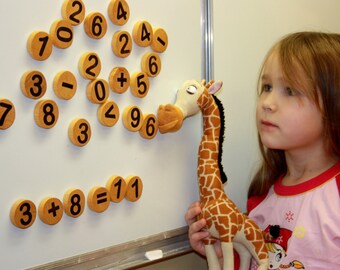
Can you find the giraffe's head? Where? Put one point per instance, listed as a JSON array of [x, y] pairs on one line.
[[171, 116]]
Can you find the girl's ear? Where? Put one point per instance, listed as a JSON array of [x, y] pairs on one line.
[[215, 87]]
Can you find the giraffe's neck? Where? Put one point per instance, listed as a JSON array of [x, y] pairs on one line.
[[209, 173]]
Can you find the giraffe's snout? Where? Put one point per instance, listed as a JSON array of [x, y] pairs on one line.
[[170, 118]]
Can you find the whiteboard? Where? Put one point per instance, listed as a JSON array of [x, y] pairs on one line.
[[243, 33], [38, 163]]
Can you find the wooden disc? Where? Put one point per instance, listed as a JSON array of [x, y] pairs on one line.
[[7, 113], [23, 213], [151, 64], [139, 84], [79, 132], [74, 11], [132, 118], [98, 199], [65, 85], [46, 113], [119, 80], [39, 45], [50, 210], [142, 33], [134, 188], [95, 25], [89, 65], [33, 84], [116, 186], [118, 11], [149, 128], [160, 40], [61, 33], [74, 202], [108, 113], [98, 91], [121, 44]]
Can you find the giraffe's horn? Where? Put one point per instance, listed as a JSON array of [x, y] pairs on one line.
[[210, 83]]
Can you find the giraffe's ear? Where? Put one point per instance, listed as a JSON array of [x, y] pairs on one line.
[[203, 82], [215, 87]]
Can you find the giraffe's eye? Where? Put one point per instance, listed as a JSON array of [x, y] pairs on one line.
[[191, 89]]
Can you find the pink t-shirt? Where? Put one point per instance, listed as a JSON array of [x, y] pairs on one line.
[[308, 216]]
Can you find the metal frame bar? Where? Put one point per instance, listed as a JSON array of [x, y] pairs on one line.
[[207, 40], [130, 255]]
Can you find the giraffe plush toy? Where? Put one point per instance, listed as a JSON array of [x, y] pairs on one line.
[[224, 221]]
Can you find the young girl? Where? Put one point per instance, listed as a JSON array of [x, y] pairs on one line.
[[294, 196]]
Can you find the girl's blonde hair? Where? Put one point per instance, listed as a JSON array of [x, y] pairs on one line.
[[310, 62]]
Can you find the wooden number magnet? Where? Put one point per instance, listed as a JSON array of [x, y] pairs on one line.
[[97, 91], [151, 64], [139, 84], [79, 132], [142, 33], [134, 188], [33, 84], [74, 202], [74, 11], [160, 40], [95, 25], [121, 44], [98, 199], [65, 85], [108, 113], [119, 12], [61, 33], [116, 186], [149, 128], [7, 113], [89, 65], [46, 113], [132, 118], [23, 213], [39, 45], [50, 210], [119, 80]]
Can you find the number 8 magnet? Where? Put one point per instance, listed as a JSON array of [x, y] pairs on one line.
[[46, 113]]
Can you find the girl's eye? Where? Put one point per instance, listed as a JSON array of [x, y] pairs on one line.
[[191, 89], [266, 88], [290, 91]]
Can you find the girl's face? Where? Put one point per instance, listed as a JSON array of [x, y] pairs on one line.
[[286, 119]]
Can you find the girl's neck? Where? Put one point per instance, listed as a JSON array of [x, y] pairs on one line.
[[302, 167]]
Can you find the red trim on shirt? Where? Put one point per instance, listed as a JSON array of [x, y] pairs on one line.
[[254, 201], [308, 185], [338, 182]]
